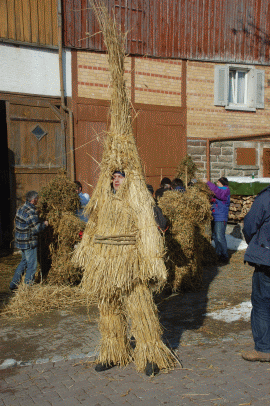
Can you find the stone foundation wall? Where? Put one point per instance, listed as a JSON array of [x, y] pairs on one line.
[[223, 160]]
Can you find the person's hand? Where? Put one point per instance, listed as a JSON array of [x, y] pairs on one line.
[[205, 180], [46, 223]]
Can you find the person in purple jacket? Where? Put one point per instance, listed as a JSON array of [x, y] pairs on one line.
[[220, 211]]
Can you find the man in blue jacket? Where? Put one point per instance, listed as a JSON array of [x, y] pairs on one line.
[[257, 234], [220, 211]]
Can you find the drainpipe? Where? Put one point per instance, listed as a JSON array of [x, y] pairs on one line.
[[63, 103], [208, 159], [231, 138]]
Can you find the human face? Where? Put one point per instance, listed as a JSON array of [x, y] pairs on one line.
[[118, 179], [34, 201], [219, 184]]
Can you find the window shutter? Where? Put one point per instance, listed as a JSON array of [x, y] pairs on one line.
[[251, 89], [221, 85], [259, 91]]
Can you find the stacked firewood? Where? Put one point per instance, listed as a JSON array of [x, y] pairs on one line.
[[239, 207]]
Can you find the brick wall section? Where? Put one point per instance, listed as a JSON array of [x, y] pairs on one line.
[[94, 76], [206, 120], [158, 82]]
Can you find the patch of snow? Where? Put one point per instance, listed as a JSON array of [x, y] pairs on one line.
[[8, 363], [235, 244], [247, 179], [42, 361], [239, 312]]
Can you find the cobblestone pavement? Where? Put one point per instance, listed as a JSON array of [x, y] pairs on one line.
[[55, 353], [211, 375]]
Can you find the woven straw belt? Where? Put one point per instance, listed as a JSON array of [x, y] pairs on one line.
[[115, 239]]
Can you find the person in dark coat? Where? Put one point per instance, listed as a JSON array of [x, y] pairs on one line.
[[159, 217], [165, 184], [177, 184], [257, 234]]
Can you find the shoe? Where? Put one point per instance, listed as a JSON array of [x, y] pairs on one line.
[[223, 260], [151, 369], [254, 355], [100, 367]]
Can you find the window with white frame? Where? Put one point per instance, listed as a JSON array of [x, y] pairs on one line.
[[239, 87]]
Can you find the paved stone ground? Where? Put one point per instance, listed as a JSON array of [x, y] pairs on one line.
[[211, 375], [58, 349]]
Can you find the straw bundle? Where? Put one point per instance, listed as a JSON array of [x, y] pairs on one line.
[[58, 196], [58, 202], [121, 250], [40, 298], [186, 170], [62, 269], [189, 239]]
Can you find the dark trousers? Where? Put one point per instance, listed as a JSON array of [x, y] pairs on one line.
[[260, 314], [218, 235]]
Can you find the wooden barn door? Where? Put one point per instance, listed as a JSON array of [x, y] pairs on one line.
[[36, 144], [266, 163], [161, 142], [92, 123]]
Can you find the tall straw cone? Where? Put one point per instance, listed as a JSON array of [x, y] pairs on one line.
[[121, 251], [130, 211]]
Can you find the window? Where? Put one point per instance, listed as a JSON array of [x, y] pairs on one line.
[[239, 87], [38, 132]]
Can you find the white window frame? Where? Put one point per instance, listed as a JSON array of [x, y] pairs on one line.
[[254, 87]]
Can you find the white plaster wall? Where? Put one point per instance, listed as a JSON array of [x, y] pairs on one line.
[[33, 71]]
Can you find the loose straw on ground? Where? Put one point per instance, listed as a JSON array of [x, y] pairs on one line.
[[40, 299]]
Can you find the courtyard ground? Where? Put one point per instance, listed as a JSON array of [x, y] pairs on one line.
[[54, 353]]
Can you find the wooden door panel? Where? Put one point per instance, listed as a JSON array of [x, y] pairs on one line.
[[30, 151], [266, 163], [33, 161], [88, 152], [160, 140]]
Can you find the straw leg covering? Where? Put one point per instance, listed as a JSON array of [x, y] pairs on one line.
[[147, 331], [115, 346]]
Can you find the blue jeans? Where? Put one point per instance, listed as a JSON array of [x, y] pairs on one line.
[[218, 233], [28, 265], [260, 314]]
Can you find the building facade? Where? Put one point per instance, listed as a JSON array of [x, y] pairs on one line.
[[197, 73], [204, 62]]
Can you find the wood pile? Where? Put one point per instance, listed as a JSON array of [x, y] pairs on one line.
[[239, 207]]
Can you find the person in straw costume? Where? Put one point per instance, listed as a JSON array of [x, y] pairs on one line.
[[121, 252]]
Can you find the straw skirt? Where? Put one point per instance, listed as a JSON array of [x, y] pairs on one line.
[[139, 307]]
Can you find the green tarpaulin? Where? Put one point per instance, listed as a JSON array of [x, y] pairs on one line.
[[246, 189]]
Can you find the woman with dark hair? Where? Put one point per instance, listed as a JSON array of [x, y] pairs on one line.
[[220, 212]]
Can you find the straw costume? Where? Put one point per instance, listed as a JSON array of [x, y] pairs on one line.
[[189, 237], [121, 251]]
